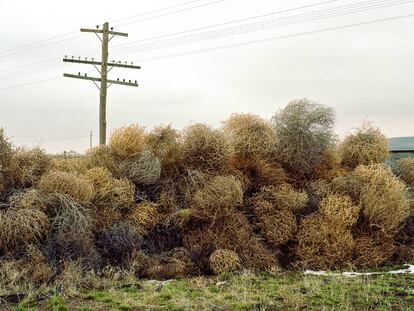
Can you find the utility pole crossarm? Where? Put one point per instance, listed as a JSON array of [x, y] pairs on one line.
[[90, 62], [114, 33], [69, 75]]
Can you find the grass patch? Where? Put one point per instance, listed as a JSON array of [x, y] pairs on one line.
[[245, 291]]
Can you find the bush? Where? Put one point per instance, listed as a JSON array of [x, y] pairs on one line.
[[102, 157], [69, 164], [278, 225], [143, 169], [164, 142], [257, 173], [224, 261], [21, 227], [304, 130], [205, 149], [217, 198], [250, 136], [109, 191], [71, 184], [5, 160], [104, 217], [31, 198], [366, 146], [283, 197], [119, 242], [406, 168], [28, 165], [274, 208], [323, 244], [373, 251], [383, 197], [144, 217], [128, 141], [340, 210]]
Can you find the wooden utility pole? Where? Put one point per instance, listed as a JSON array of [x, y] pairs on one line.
[[105, 31], [104, 78]]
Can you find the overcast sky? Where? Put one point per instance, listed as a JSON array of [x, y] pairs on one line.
[[365, 72]]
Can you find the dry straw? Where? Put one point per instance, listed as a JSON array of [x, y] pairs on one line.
[[224, 261], [205, 148], [164, 142], [144, 217], [257, 173], [340, 210], [109, 191], [69, 164], [372, 251], [274, 208], [71, 237], [119, 242], [128, 141], [143, 169], [282, 197], [256, 256], [217, 198], [72, 184], [5, 160], [104, 217], [323, 244], [102, 156], [349, 185], [304, 130], [366, 146], [30, 198], [21, 227], [250, 136], [278, 225], [230, 233], [383, 197], [71, 220], [28, 165], [406, 168], [330, 166]]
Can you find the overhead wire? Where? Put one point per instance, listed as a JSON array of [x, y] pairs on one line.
[[30, 46], [241, 29], [245, 43], [263, 25]]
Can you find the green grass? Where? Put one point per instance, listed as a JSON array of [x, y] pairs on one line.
[[247, 291]]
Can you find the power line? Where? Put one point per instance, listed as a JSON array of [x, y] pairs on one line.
[[155, 11], [128, 53], [28, 83], [381, 3], [231, 22], [30, 47], [41, 46], [37, 42], [263, 25], [246, 43], [171, 13], [231, 31], [300, 34]]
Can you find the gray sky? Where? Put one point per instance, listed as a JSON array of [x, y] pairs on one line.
[[365, 72]]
